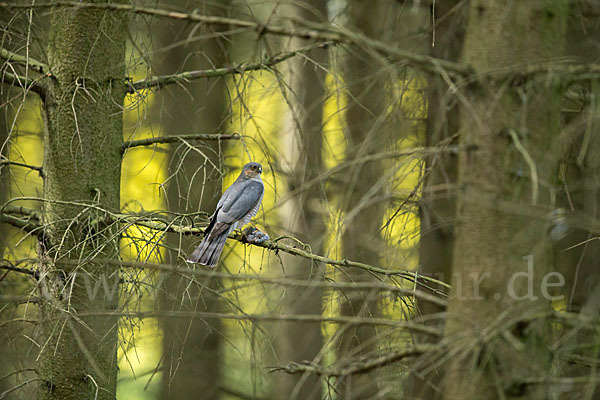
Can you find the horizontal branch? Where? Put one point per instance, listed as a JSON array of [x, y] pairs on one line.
[[179, 138], [164, 80], [315, 32], [294, 250], [35, 85], [18, 164], [269, 318], [7, 266], [324, 33], [163, 225], [356, 367], [274, 245], [26, 225], [211, 273], [566, 69], [31, 63]]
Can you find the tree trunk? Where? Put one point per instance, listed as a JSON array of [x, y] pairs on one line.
[[192, 348], [303, 215], [507, 178], [437, 209], [82, 165], [438, 204], [362, 189]]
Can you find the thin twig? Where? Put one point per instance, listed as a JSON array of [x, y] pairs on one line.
[[35, 85], [20, 385], [356, 367], [530, 163]]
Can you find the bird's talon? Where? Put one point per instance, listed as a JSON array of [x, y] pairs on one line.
[[254, 235]]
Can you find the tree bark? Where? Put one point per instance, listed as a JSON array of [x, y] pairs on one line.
[[577, 253], [362, 188], [507, 179], [438, 204], [82, 164], [303, 216], [437, 208]]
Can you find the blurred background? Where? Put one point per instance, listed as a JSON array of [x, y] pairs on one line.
[[359, 151], [339, 133]]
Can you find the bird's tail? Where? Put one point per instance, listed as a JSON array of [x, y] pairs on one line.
[[209, 251]]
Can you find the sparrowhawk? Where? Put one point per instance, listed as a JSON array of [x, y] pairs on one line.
[[237, 206]]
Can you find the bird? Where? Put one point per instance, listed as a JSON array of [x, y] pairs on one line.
[[238, 205]]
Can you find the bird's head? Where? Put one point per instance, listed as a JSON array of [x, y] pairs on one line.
[[252, 170]]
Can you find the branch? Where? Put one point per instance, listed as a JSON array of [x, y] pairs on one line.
[[274, 245], [164, 80], [316, 318], [179, 138], [356, 367], [164, 225], [22, 211], [35, 85], [211, 273], [32, 63], [323, 33], [18, 164], [8, 266], [566, 69], [27, 225]]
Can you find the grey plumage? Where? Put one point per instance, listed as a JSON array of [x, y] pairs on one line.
[[240, 202]]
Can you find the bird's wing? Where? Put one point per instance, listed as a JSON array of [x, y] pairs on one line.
[[227, 195], [224, 199], [240, 201]]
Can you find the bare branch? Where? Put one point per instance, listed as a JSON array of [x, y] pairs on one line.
[[264, 279], [161, 224], [164, 80], [31, 63], [356, 367], [315, 32], [270, 317], [18, 386], [322, 32], [35, 85], [8, 266], [18, 164], [180, 138], [29, 226]]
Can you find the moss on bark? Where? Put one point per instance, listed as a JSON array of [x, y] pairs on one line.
[[507, 185], [82, 164]]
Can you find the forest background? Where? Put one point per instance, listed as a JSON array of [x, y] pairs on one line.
[[431, 176]]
